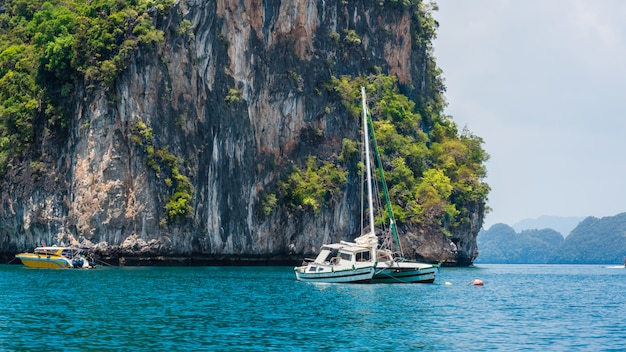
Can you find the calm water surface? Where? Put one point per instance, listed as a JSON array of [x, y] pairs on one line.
[[520, 307]]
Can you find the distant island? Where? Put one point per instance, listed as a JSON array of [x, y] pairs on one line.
[[561, 224], [592, 241]]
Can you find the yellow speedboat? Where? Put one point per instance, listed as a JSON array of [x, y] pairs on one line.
[[56, 258]]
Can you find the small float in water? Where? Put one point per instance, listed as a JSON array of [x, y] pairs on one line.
[[57, 258], [478, 282]]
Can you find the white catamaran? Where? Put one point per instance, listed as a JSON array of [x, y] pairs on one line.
[[364, 261]]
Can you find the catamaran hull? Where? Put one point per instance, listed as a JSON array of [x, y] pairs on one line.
[[392, 276], [405, 272], [356, 276]]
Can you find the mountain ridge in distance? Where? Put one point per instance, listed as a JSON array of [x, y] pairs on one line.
[[562, 224]]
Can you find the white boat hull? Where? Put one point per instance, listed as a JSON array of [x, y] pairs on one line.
[[381, 273], [358, 275]]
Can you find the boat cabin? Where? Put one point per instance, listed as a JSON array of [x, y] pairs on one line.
[[334, 254]]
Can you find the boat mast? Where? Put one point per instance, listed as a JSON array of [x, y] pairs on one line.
[[370, 202], [367, 121]]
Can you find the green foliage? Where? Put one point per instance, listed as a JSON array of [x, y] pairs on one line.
[[432, 195], [184, 28], [351, 37], [313, 187], [48, 47], [268, 203], [234, 95], [349, 151], [180, 120], [334, 36], [432, 177], [19, 96], [179, 204]]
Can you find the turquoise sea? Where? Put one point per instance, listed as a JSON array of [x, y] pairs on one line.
[[520, 307]]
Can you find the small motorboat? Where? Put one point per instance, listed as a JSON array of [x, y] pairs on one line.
[[57, 258]]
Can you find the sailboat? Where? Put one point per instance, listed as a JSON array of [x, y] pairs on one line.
[[363, 260]]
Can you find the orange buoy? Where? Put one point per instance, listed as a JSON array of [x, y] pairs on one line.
[[478, 282]]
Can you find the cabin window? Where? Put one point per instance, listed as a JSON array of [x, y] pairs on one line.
[[333, 253], [363, 256], [383, 256], [312, 268], [324, 253], [346, 256]]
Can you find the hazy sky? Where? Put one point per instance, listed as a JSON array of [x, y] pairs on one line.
[[544, 84]]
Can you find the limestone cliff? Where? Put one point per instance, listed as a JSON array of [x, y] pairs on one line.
[[238, 99]]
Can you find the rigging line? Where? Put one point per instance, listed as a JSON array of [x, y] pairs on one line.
[[370, 123], [386, 235], [101, 262], [371, 183]]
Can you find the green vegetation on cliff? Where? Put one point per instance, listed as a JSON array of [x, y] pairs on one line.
[[181, 190], [47, 47], [314, 186], [433, 172]]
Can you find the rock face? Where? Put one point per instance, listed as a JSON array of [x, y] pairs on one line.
[[238, 99]]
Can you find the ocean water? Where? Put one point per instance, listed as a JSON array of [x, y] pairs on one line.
[[520, 307]]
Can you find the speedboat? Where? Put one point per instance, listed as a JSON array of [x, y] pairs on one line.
[[57, 258]]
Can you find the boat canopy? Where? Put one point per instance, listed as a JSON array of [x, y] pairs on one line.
[[65, 251]]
